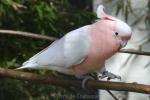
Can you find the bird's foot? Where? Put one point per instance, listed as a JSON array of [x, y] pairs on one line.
[[109, 76], [85, 79]]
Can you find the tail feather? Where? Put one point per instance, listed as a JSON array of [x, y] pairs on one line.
[[54, 68], [27, 66]]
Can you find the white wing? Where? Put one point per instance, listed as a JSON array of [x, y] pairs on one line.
[[69, 50]]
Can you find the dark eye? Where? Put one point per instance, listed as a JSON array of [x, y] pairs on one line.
[[116, 33]]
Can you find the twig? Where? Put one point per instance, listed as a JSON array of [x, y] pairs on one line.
[[47, 38], [28, 34], [91, 84], [115, 98], [131, 51]]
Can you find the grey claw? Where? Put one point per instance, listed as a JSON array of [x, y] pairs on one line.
[[85, 79], [109, 75]]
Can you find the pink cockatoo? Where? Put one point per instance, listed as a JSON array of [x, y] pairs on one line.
[[85, 49]]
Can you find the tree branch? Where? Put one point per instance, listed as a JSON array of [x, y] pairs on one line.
[[131, 51], [47, 38], [91, 84], [28, 34]]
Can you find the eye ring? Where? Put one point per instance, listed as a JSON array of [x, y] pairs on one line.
[[116, 33]]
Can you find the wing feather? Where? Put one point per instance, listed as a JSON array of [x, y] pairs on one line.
[[70, 50]]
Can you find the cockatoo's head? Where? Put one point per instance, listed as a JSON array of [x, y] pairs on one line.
[[120, 29]]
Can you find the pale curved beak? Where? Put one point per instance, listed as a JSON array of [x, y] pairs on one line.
[[123, 44]]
